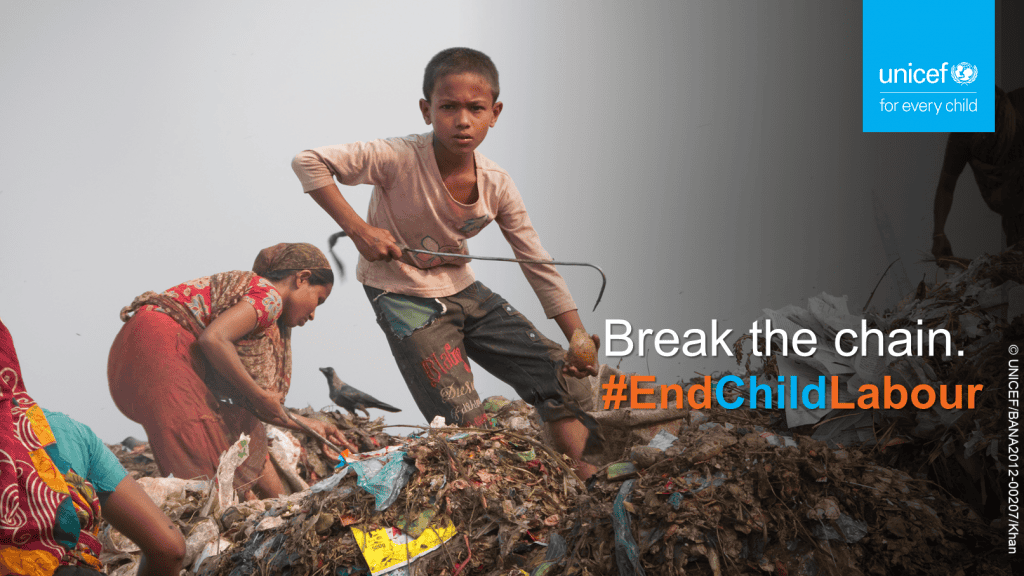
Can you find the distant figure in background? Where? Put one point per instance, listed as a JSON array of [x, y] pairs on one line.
[[997, 160], [351, 399], [209, 359], [122, 501]]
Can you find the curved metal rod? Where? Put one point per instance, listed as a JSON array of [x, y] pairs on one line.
[[604, 279]]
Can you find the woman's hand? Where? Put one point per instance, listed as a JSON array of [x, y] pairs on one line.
[[332, 434], [269, 407]]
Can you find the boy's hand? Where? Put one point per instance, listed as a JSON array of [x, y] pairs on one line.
[[569, 322], [373, 243], [376, 244], [591, 370]]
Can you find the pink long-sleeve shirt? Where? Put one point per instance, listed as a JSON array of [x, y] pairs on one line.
[[410, 200]]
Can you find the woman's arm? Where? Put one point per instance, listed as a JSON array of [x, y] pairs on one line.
[[218, 343], [134, 514]]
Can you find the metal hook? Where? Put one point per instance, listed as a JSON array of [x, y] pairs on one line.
[[604, 279]]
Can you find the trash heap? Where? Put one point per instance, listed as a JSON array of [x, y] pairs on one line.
[[712, 492], [138, 461], [729, 497], [484, 497], [707, 492], [982, 307], [479, 494], [313, 463]]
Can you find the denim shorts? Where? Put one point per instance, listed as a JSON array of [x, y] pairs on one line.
[[434, 339]]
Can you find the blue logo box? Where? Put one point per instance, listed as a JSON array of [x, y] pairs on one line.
[[929, 66]]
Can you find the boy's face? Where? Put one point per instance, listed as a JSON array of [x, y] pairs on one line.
[[461, 109]]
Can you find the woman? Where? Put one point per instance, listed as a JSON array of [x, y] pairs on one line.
[[50, 513], [38, 524], [207, 360], [103, 488]]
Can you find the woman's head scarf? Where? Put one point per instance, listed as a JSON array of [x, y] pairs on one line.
[[288, 256]]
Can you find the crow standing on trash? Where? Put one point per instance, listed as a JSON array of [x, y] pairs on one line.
[[351, 399]]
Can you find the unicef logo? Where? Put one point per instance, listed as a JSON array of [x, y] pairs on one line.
[[964, 73]]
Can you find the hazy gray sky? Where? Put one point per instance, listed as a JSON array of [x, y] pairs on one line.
[[708, 155]]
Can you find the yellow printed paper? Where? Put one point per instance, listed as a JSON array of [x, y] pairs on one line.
[[388, 548]]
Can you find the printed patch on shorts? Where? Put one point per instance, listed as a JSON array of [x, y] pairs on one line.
[[406, 314], [437, 365], [482, 421], [459, 411], [455, 391]]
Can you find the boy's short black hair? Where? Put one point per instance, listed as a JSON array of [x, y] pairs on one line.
[[457, 61]]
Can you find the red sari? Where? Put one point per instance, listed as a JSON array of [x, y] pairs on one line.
[[160, 378]]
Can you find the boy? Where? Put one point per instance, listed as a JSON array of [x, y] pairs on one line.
[[433, 191]]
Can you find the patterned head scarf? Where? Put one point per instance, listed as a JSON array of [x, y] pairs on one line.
[[36, 497], [289, 256]]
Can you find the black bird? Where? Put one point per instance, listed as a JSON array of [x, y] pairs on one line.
[[351, 399], [132, 442]]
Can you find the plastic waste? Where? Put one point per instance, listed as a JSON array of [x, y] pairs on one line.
[[627, 555]]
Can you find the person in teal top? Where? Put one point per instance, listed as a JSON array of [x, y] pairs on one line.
[[123, 502], [86, 454]]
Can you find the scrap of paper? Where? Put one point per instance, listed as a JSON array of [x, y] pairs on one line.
[[388, 548]]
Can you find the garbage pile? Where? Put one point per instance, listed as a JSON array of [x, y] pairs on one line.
[[137, 459], [982, 308], [679, 491], [485, 497], [713, 492], [736, 498]]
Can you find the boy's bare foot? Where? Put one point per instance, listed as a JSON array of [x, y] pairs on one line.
[[569, 436]]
